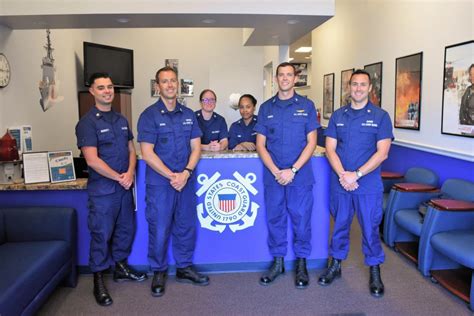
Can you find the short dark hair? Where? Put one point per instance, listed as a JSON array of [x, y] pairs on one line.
[[167, 68], [97, 75], [360, 72], [286, 64], [249, 96], [207, 90], [470, 67]]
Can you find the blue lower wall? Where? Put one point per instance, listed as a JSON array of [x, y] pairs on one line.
[[402, 158]]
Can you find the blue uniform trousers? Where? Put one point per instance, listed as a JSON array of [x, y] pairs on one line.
[[111, 222], [170, 212], [297, 202], [368, 208]]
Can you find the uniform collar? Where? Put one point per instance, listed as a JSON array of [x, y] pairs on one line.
[[366, 110], [296, 98], [163, 110], [95, 112], [199, 114], [241, 121]]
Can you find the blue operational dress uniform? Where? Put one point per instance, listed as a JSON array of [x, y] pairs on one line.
[[111, 218], [167, 210], [239, 132], [286, 124], [357, 133], [213, 129]]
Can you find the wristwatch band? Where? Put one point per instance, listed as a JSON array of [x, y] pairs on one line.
[[189, 170], [294, 169]]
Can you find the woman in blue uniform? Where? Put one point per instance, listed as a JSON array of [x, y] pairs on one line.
[[241, 133], [213, 126]]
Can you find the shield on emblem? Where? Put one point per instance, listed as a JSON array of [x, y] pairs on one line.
[[227, 202]]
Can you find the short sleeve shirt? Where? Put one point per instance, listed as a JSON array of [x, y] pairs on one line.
[[110, 133], [357, 133], [286, 124], [239, 132], [171, 133], [213, 129]]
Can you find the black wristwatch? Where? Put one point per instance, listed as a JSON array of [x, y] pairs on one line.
[[189, 170]]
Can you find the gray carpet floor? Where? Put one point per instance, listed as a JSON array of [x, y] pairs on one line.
[[407, 293]]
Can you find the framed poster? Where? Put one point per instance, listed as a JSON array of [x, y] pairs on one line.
[[187, 88], [328, 95], [375, 72], [458, 90], [61, 166], [173, 63], [345, 88], [302, 71], [408, 73], [154, 91]]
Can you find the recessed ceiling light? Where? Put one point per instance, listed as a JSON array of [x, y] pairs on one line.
[[123, 20], [208, 21], [304, 49], [292, 22]]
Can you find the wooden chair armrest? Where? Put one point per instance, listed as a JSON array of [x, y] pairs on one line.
[[414, 187], [452, 205], [391, 175]]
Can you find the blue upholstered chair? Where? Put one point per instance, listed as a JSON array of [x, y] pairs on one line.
[[400, 198], [412, 175], [447, 243]]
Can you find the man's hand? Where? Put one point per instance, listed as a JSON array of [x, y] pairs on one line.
[[245, 146], [284, 177], [179, 180], [126, 179], [348, 180]]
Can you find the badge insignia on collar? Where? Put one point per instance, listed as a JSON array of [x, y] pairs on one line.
[[162, 124]]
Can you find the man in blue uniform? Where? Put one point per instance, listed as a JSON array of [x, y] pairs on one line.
[[105, 140], [170, 142], [241, 133], [213, 126], [358, 140], [286, 140]]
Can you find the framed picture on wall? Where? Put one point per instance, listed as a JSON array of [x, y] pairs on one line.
[[187, 88], [154, 91], [173, 63], [328, 95], [375, 72], [345, 89], [458, 90], [302, 71], [408, 74]]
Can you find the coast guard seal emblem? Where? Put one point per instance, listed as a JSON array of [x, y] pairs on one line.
[[227, 202]]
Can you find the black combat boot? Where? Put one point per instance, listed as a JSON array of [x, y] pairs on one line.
[[123, 272], [277, 268], [101, 294], [332, 272], [159, 282], [301, 277], [375, 283], [190, 275]]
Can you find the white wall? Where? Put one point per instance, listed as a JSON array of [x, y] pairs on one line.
[[364, 32], [214, 58], [4, 35], [53, 129]]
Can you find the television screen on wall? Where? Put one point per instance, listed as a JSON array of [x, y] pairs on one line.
[[116, 61]]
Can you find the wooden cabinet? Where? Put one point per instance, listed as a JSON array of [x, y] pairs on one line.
[[122, 103]]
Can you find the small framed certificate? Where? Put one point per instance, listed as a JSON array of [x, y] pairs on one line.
[[61, 166], [36, 167]]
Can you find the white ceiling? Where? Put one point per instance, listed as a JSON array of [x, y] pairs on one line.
[[272, 22]]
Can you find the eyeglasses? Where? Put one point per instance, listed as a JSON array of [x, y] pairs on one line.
[[208, 101]]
